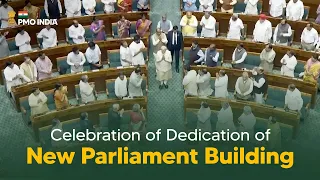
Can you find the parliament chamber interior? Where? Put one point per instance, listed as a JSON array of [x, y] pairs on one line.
[[154, 67]]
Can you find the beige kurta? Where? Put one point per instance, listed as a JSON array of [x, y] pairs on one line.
[[267, 59], [37, 106], [86, 92], [163, 65]]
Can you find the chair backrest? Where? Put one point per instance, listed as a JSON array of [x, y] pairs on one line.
[[239, 7], [306, 13], [68, 38], [114, 57], [187, 49], [212, 81], [299, 68], [99, 8], [110, 87], [252, 59], [39, 41], [133, 28], [134, 5], [88, 33], [62, 63], [42, 14], [103, 120], [114, 27], [12, 44], [77, 89]]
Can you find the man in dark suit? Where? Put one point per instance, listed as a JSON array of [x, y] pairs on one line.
[[175, 44]]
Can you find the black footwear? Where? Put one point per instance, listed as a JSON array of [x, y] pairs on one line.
[[160, 86], [166, 86]]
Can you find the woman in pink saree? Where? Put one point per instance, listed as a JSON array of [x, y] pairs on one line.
[[123, 27], [143, 26], [97, 27]]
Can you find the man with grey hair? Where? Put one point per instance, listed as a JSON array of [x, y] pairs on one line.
[[163, 65], [244, 87], [225, 118], [121, 86], [87, 90], [114, 117], [137, 118], [208, 24], [247, 121], [260, 84], [236, 28], [165, 25], [293, 99], [203, 81], [159, 39]]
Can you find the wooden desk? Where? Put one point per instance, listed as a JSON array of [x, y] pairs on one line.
[[261, 111], [251, 20], [273, 80], [93, 110], [230, 45], [60, 51], [70, 80], [83, 20]]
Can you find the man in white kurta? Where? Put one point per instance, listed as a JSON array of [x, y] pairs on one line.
[[282, 33], [163, 65], [309, 38], [236, 28], [76, 32], [295, 10], [136, 49], [73, 8], [87, 91], [277, 7], [247, 121], [206, 5], [38, 102], [251, 7], [76, 60], [13, 76], [203, 81], [49, 36], [93, 55], [125, 54], [120, 86], [109, 5], [189, 24], [221, 84], [190, 82], [89, 6], [204, 118], [293, 99], [22, 40], [289, 63], [135, 82], [208, 24], [263, 30], [225, 118]]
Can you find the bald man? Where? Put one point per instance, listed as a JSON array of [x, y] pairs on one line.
[[244, 87]]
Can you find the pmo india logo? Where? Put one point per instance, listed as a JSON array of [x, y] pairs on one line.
[[23, 20]]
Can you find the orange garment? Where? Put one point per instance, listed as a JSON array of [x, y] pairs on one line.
[[61, 99]]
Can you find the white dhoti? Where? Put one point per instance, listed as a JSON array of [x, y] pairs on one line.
[[164, 76]]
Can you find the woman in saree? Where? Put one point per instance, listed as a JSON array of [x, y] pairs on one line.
[[137, 119], [123, 27], [60, 97], [97, 28], [124, 5], [143, 26], [312, 69]]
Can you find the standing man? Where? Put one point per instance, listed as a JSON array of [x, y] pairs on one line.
[[165, 25], [208, 24], [136, 48], [190, 82], [4, 48], [282, 33], [289, 63], [206, 5], [175, 44], [221, 85], [293, 99], [227, 5], [53, 9], [5, 9], [196, 54], [263, 30], [204, 118], [295, 10], [211, 56], [238, 56], [76, 32], [260, 84], [87, 90], [13, 76], [125, 54], [190, 5], [44, 66], [189, 24], [309, 38], [89, 6], [236, 28], [22, 40], [225, 118], [38, 102], [93, 55], [114, 117], [49, 36], [29, 69], [277, 8], [121, 86], [109, 6], [244, 87], [163, 65], [73, 8], [203, 81], [159, 39], [267, 57], [135, 83], [251, 7], [247, 121], [76, 59]]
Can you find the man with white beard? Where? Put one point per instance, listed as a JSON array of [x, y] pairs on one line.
[[76, 32], [135, 82], [49, 36], [208, 24], [295, 10], [190, 82], [89, 6], [263, 30], [163, 65], [225, 118], [289, 63], [203, 81], [109, 5], [221, 84], [73, 8], [206, 5], [120, 86], [293, 99], [247, 121], [87, 91]]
